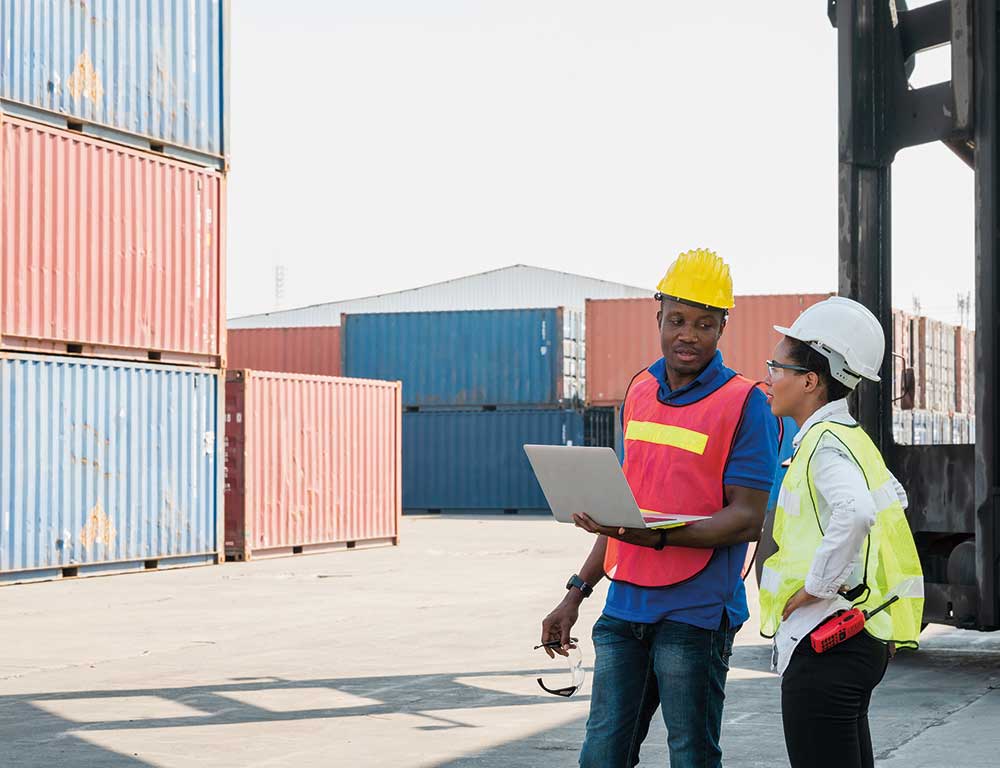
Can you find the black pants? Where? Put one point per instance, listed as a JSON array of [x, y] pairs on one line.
[[824, 703]]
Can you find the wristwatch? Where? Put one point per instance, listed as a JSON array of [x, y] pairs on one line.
[[575, 581], [662, 541]]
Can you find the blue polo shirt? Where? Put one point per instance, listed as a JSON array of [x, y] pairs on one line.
[[752, 463], [788, 431]]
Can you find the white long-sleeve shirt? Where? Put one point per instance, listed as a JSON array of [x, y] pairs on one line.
[[847, 513]]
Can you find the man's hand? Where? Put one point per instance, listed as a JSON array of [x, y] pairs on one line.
[[796, 601], [556, 626], [643, 537]]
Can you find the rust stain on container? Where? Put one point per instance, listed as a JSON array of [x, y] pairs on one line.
[[312, 462], [623, 338], [84, 80], [311, 350], [98, 528]]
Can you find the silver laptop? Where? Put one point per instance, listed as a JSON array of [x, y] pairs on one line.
[[590, 480]]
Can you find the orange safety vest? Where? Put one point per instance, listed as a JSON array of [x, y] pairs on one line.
[[675, 459]]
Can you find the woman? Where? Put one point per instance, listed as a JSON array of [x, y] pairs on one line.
[[842, 540]]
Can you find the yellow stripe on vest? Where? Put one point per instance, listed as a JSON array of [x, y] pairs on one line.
[[667, 434]]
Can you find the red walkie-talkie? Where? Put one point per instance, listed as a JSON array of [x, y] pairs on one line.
[[843, 626]]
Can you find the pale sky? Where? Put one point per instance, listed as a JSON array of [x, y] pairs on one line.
[[384, 144]]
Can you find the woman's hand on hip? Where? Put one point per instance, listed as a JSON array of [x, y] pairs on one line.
[[796, 601]]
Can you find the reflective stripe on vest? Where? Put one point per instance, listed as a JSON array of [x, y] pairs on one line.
[[675, 459], [888, 557]]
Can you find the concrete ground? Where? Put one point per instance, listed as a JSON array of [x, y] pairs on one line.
[[404, 657]]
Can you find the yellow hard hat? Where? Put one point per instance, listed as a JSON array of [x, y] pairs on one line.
[[699, 277]]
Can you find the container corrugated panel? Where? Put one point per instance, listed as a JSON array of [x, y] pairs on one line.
[[312, 463], [490, 357], [965, 370], [515, 287], [902, 426], [109, 250], [152, 69], [960, 428], [315, 351], [935, 354], [106, 464], [474, 460], [941, 429], [623, 338], [923, 428], [749, 340], [901, 347]]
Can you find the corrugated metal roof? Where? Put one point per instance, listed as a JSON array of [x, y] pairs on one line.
[[515, 287]]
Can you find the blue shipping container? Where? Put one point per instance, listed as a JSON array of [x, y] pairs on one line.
[[106, 464], [475, 461], [151, 68], [487, 357]]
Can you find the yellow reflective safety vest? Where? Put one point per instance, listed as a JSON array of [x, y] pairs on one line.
[[888, 555]]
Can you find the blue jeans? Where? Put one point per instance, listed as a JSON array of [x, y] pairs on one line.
[[640, 667]]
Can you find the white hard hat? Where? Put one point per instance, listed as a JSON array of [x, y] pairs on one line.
[[844, 332]]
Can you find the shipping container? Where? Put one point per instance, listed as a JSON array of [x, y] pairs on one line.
[[474, 461], [906, 427], [147, 72], [960, 428], [941, 429], [312, 463], [315, 351], [109, 252], [899, 431], [902, 350], [602, 428], [965, 370], [480, 358], [934, 353], [923, 430], [107, 467], [623, 338]]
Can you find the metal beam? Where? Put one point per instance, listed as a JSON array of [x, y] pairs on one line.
[[864, 32], [926, 27], [987, 139]]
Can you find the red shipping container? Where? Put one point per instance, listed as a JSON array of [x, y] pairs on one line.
[[965, 370], [314, 351], [934, 353], [313, 463], [623, 338], [107, 251], [902, 351]]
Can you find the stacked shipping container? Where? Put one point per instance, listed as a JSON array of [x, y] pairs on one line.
[[107, 466], [934, 362], [475, 358], [150, 73], [315, 351], [108, 251], [111, 250], [902, 348], [623, 338], [477, 385], [965, 370]]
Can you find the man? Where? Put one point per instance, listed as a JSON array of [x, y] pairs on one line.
[[699, 439]]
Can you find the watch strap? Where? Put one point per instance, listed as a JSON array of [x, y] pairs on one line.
[[576, 581]]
